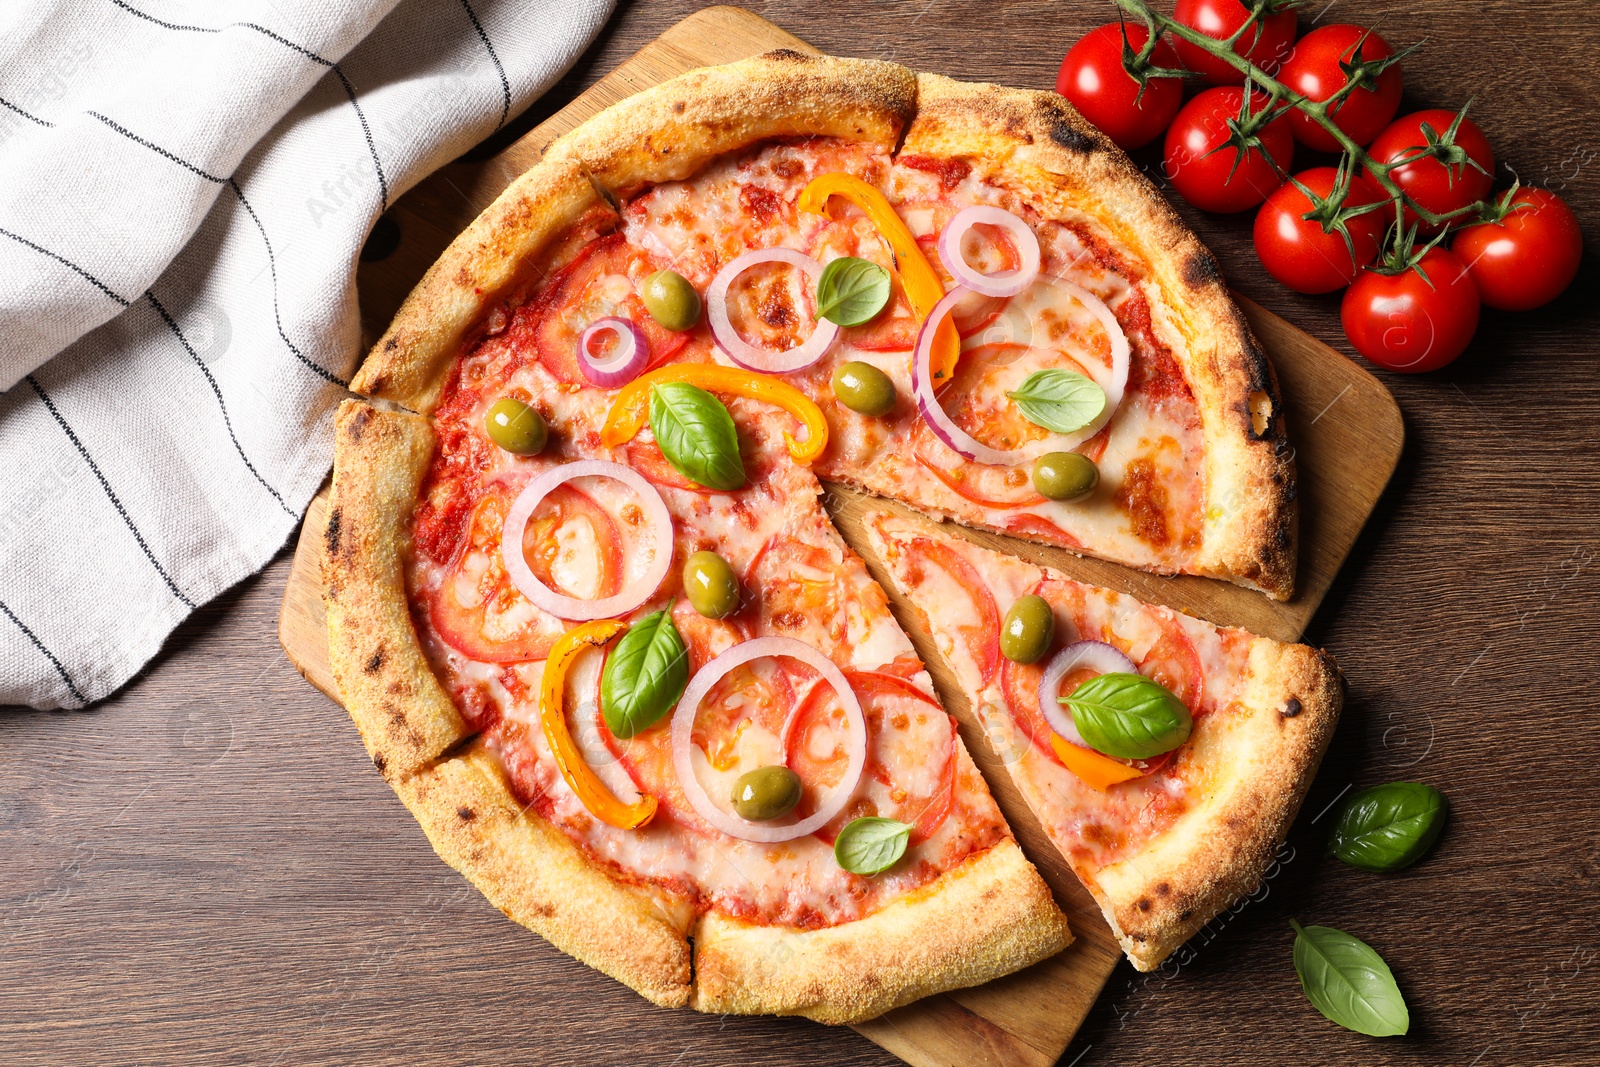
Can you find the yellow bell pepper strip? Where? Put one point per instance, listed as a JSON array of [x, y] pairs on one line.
[[923, 287], [1101, 772], [631, 410], [552, 716]]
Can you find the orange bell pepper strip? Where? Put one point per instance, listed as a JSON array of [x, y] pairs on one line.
[[631, 410], [1100, 771], [569, 760], [923, 287]]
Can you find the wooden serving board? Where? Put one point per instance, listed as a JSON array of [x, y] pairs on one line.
[[1345, 426]]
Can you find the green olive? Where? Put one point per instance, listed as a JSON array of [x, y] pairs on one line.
[[864, 388], [712, 589], [516, 427], [1065, 475], [1025, 635], [766, 793], [671, 300]]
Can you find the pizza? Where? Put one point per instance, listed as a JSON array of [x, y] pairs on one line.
[[586, 607], [1162, 843]]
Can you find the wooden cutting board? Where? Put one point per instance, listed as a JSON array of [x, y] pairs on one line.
[[1344, 424]]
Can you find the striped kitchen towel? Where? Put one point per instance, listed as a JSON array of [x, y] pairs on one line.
[[185, 187]]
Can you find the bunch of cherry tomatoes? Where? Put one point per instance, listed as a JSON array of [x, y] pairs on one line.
[[1402, 310]]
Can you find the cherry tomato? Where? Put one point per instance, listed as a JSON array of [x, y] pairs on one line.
[[1203, 178], [1298, 253], [1429, 182], [1266, 44], [1092, 78], [1528, 258], [1409, 324], [1313, 70]]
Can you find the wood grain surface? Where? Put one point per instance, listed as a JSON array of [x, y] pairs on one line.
[[204, 870]]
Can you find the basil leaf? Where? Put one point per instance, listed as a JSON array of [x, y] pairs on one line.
[[644, 677], [852, 291], [1128, 716], [1348, 982], [1060, 400], [696, 434], [871, 844], [1389, 826]]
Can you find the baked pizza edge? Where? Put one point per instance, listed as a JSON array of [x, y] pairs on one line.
[[991, 916]]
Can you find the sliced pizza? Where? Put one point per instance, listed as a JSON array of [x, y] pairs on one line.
[[1215, 733]]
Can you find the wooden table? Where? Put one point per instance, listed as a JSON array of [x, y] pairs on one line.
[[205, 870]]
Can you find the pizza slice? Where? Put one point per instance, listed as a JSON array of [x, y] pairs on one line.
[[1216, 756]]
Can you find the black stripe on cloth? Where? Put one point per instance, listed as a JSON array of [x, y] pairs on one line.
[[366, 131], [350, 90], [95, 467], [272, 265], [130, 135], [31, 118], [505, 85], [79, 271], [221, 404], [51, 656]]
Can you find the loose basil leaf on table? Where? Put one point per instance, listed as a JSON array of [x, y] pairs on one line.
[[1346, 980], [695, 432], [1128, 716], [871, 844], [644, 675], [852, 291], [1388, 827], [1060, 400]]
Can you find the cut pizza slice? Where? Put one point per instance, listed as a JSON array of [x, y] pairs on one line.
[[1214, 758]]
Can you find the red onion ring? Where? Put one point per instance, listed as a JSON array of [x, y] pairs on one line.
[[743, 352], [1097, 656], [622, 366], [571, 608], [683, 744], [1004, 283], [944, 427]]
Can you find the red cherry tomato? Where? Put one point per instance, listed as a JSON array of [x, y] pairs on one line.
[[1528, 258], [1313, 71], [1409, 324], [1266, 44], [1202, 178], [1429, 182], [1298, 253], [1092, 78]]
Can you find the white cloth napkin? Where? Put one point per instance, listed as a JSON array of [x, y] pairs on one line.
[[185, 187]]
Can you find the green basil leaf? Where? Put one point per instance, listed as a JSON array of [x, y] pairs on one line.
[[1128, 716], [1060, 400], [644, 677], [696, 434], [871, 844], [852, 291], [1348, 982], [1389, 826]]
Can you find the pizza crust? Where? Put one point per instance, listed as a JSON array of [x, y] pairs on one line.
[[404, 715], [1036, 145], [988, 917], [670, 131], [487, 263], [1263, 763]]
